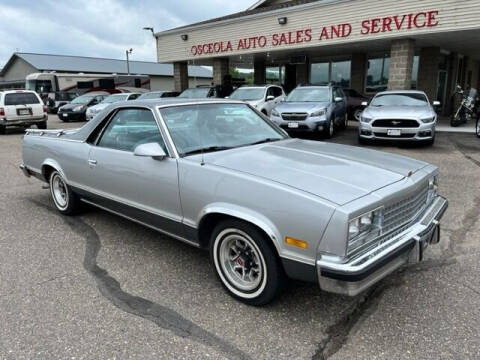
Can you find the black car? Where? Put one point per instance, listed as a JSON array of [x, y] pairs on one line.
[[354, 103], [77, 109]]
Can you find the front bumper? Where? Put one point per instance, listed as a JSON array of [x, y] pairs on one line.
[[425, 131], [361, 272], [71, 115], [311, 124], [23, 122]]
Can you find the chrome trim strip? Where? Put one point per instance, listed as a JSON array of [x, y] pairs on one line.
[[142, 223]]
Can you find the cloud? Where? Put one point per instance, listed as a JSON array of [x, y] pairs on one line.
[[101, 28]]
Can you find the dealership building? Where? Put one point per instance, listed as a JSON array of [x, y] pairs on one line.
[[367, 45]]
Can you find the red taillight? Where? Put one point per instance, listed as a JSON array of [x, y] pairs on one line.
[[2, 112], [45, 109]]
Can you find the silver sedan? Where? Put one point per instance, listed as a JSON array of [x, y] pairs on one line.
[[220, 176], [399, 115]]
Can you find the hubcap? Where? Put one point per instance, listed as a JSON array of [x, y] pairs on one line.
[[59, 192], [241, 262], [358, 114]]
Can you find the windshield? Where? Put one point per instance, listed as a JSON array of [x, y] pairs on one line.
[[83, 100], [309, 95], [152, 95], [114, 98], [400, 99], [197, 93], [212, 127], [248, 94]]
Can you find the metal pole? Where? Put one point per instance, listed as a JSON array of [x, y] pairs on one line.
[[128, 64]]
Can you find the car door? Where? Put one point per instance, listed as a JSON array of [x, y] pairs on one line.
[[143, 188], [339, 106], [269, 104]]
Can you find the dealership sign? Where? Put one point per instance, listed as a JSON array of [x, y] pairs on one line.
[[423, 19]]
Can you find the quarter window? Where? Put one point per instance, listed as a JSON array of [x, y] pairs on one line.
[[130, 128]]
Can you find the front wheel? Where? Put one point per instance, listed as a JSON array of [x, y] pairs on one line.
[[246, 263], [329, 130], [65, 200], [477, 128]]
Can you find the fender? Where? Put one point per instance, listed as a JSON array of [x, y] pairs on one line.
[[55, 165], [245, 214]]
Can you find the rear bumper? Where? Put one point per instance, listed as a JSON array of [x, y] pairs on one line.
[[360, 273], [21, 122]]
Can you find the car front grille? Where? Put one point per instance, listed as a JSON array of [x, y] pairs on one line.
[[404, 211], [294, 116], [401, 136], [396, 123]]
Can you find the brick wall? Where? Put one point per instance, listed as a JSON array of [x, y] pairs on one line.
[[401, 64], [180, 75]]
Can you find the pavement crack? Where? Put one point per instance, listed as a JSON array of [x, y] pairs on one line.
[[461, 148], [472, 288], [160, 315], [339, 332]]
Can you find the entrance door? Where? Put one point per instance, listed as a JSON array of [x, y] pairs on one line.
[[442, 88]]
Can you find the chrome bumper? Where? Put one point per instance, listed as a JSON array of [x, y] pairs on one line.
[[26, 121], [359, 273]]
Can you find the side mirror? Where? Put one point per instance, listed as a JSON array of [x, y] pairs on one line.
[[153, 150], [270, 97], [436, 103], [364, 103], [338, 99]]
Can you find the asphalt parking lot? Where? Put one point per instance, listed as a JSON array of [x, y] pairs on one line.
[[98, 286]]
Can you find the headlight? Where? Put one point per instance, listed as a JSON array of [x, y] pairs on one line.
[[364, 228], [365, 119], [428, 120], [318, 113], [78, 108], [275, 113], [432, 188]]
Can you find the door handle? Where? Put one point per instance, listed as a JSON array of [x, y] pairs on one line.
[[92, 162]]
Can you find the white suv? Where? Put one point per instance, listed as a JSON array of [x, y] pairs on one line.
[[22, 108], [262, 97]]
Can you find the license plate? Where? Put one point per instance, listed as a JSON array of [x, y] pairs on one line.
[[293, 125], [64, 115], [394, 132], [23, 112]]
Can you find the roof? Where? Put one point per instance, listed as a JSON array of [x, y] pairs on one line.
[[65, 63], [255, 9]]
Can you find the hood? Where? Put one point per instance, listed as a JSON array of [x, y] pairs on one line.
[[98, 107], [337, 173], [395, 112], [70, 106], [308, 107]]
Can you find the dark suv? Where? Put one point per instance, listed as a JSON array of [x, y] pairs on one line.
[[313, 108]]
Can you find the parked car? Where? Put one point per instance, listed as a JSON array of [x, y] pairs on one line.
[[315, 109], [400, 115], [22, 108], [219, 176], [263, 98], [158, 95], [354, 103], [57, 99], [95, 109], [77, 109], [206, 91]]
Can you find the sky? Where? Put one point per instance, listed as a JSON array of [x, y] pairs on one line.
[[99, 28]]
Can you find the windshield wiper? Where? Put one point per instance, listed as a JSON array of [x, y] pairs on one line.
[[267, 140], [207, 149]]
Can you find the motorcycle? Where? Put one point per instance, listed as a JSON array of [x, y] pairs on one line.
[[468, 109]]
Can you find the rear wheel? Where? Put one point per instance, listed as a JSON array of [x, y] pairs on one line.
[[344, 124], [357, 114], [65, 200], [42, 125], [2, 129], [246, 263]]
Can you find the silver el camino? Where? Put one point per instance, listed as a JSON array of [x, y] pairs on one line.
[[220, 176]]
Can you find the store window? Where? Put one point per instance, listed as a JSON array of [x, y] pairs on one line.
[[273, 75], [335, 72], [377, 74]]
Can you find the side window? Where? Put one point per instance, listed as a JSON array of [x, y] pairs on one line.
[[277, 92], [270, 92], [133, 96], [130, 128]]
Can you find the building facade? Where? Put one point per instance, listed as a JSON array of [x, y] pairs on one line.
[[367, 45]]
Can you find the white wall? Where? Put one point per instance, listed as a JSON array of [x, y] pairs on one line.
[[18, 70]]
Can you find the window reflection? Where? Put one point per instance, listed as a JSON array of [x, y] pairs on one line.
[[335, 72]]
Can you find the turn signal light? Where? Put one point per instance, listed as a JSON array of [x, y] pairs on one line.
[[295, 242], [45, 109], [2, 112]]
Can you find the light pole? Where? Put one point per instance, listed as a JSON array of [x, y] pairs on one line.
[[149, 28], [128, 52]]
